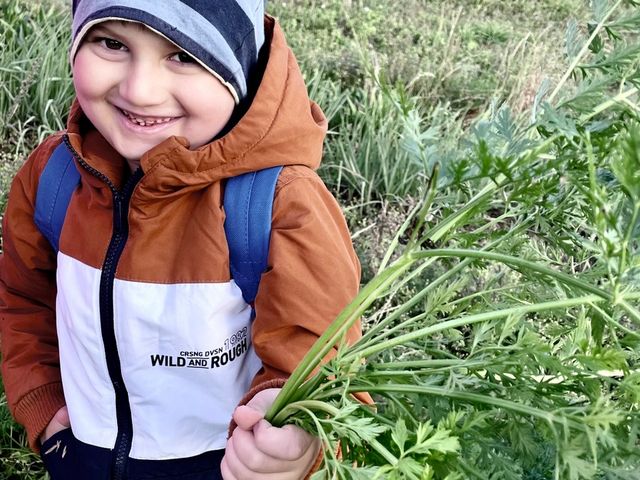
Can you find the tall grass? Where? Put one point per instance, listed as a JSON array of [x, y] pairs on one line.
[[449, 67], [16, 461], [370, 158], [35, 86], [35, 89]]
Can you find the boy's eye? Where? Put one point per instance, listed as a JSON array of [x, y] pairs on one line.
[[111, 44], [183, 57]]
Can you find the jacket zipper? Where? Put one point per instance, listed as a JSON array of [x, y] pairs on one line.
[[121, 199]]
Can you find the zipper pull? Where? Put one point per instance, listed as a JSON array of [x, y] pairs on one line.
[[118, 214]]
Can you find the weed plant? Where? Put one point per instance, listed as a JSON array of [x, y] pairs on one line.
[[503, 326]]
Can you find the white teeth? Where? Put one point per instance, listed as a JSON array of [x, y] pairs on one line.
[[144, 123]]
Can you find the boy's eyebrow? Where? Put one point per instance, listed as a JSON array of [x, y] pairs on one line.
[[104, 27], [101, 27]]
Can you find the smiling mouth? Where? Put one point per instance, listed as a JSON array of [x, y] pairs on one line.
[[146, 121]]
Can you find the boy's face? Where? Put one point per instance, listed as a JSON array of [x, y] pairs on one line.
[[138, 89]]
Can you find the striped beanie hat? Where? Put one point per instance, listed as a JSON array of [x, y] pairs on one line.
[[224, 36]]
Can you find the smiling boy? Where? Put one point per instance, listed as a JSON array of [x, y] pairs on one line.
[[172, 99], [112, 69]]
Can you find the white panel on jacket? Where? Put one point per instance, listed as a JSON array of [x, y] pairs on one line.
[[186, 357], [87, 387]]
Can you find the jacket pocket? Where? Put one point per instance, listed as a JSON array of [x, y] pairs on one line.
[[67, 458]]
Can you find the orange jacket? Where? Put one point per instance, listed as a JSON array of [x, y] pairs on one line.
[[172, 292]]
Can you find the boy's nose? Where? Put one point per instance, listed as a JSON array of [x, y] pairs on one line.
[[143, 85]]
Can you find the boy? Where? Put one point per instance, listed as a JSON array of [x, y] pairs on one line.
[[172, 98]]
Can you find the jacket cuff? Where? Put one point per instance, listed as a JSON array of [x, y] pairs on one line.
[[316, 465], [36, 409]]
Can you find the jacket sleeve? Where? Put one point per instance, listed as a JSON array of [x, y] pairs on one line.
[[28, 341], [313, 274]]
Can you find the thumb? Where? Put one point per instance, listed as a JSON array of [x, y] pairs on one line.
[[246, 416]]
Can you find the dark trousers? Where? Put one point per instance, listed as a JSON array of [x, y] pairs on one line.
[[67, 458]]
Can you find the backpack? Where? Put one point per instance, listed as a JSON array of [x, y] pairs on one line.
[[248, 203]]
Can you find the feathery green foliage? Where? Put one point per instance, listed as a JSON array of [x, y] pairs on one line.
[[503, 328]]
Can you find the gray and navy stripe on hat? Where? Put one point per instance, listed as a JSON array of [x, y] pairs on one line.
[[225, 36]]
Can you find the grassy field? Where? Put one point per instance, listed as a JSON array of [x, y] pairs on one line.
[[448, 60], [410, 84], [443, 61]]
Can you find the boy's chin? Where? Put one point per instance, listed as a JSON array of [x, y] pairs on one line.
[[135, 153], [132, 157]]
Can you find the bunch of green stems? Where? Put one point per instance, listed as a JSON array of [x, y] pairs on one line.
[[581, 412], [321, 393]]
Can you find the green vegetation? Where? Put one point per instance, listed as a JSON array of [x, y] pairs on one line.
[[462, 53], [487, 154]]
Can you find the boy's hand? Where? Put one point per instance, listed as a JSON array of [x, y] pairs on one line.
[[59, 422], [259, 451]]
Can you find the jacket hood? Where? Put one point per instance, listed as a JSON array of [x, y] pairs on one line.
[[282, 126]]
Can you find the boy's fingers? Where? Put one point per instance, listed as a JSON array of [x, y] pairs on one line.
[[62, 417], [287, 443], [245, 451], [232, 467], [59, 422]]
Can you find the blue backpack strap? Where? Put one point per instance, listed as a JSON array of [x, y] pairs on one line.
[[58, 181], [248, 203]]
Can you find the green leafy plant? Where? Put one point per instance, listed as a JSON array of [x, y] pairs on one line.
[[502, 333]]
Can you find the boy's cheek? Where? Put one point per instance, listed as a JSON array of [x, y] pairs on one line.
[[81, 77], [90, 78]]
